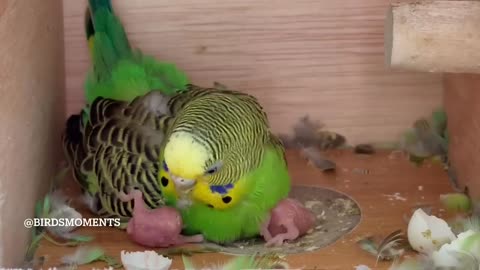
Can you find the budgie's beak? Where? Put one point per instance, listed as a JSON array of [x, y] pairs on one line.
[[183, 187], [183, 184]]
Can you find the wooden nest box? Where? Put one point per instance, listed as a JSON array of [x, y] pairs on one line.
[[324, 59], [443, 37]]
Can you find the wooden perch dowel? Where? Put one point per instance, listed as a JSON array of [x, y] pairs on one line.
[[433, 36]]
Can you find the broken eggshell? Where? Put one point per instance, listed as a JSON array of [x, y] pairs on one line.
[[467, 243], [146, 260], [427, 234]]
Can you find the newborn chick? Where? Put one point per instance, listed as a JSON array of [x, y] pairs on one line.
[[159, 227], [287, 221]]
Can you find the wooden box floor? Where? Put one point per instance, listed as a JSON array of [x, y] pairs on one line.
[[366, 179]]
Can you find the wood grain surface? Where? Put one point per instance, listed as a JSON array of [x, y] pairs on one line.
[[31, 114], [372, 181], [323, 58], [462, 96], [434, 36]]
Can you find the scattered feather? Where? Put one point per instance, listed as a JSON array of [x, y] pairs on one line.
[[315, 158], [46, 206], [456, 202], [86, 255], [68, 242], [431, 140], [80, 238], [368, 245], [58, 199], [390, 247], [63, 212], [55, 205], [427, 139], [309, 133], [83, 255], [311, 139], [32, 248], [439, 121]]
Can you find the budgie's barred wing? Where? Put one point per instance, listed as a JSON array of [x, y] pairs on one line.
[[118, 147], [115, 142]]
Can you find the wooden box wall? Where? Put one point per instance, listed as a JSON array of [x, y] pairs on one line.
[[32, 114]]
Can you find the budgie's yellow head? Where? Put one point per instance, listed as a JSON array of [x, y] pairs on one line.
[[184, 157], [190, 165]]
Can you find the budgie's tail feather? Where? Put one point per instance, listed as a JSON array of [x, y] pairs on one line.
[[107, 40], [89, 31]]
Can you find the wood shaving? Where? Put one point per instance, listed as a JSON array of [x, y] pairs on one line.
[[395, 196]]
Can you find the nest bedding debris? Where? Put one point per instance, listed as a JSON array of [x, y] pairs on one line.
[[336, 213]]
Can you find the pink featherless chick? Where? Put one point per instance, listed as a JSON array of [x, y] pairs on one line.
[[287, 221], [156, 228]]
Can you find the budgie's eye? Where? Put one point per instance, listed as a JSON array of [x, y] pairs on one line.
[[165, 167], [213, 169]]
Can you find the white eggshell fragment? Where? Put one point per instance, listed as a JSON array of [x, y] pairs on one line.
[[427, 234], [467, 243], [146, 260]]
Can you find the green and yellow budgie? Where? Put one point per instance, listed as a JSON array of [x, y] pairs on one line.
[[105, 144], [221, 165], [207, 151]]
